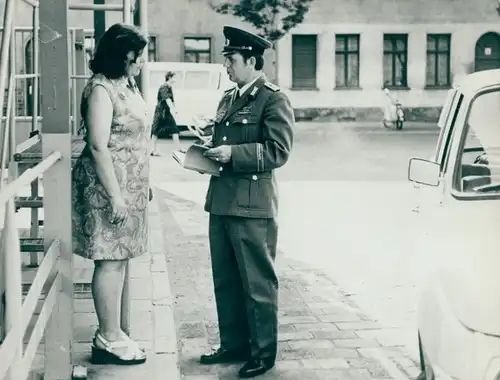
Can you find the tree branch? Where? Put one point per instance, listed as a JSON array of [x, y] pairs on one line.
[[272, 18]]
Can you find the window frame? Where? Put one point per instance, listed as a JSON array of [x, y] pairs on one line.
[[393, 53], [437, 52], [455, 190], [153, 37], [450, 105], [196, 51], [345, 54]]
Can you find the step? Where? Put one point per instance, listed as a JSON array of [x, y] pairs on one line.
[[31, 244], [81, 290], [30, 151], [28, 202]]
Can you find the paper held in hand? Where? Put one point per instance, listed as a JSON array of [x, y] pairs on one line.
[[193, 159]]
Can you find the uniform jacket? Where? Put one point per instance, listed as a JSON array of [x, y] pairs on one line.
[[259, 128]]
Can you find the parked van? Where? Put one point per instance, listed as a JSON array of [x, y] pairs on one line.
[[459, 212], [197, 87]]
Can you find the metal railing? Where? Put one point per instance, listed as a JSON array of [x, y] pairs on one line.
[[16, 361], [52, 284]]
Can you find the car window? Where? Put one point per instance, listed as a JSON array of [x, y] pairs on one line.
[[478, 171]]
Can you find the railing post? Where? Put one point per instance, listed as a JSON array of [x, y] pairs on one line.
[[12, 274], [79, 70], [125, 304], [36, 67], [56, 136], [8, 23], [34, 228], [12, 111]]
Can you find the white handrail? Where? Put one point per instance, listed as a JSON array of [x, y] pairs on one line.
[[33, 3], [12, 188]]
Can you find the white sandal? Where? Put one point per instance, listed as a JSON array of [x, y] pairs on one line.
[[104, 352]]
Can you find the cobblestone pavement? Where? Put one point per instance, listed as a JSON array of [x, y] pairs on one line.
[[322, 334]]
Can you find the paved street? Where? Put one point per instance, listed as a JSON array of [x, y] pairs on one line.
[[345, 211]]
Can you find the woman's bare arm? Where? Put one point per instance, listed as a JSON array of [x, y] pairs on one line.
[[98, 122]]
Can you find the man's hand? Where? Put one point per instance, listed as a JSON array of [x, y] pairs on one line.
[[220, 154]]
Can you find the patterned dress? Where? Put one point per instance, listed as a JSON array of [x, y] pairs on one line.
[[163, 121], [94, 237]]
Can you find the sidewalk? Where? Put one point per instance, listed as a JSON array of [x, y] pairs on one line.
[[322, 334], [151, 321]]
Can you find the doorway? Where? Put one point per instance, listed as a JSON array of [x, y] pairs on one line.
[[487, 56]]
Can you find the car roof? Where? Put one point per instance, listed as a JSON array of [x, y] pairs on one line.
[[480, 80]]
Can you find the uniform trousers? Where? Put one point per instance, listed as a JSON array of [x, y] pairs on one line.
[[243, 251]]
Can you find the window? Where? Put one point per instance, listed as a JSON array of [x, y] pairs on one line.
[[478, 169], [347, 60], [197, 50], [395, 60], [152, 50], [438, 60], [304, 61]]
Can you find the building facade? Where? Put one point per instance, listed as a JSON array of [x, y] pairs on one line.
[[337, 62]]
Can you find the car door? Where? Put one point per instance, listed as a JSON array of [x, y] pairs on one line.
[[428, 198]]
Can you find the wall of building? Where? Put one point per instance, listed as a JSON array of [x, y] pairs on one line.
[[466, 21], [171, 21], [370, 93]]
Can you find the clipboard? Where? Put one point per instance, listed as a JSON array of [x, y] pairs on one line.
[[193, 159]]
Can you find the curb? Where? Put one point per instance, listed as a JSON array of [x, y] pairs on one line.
[[412, 125], [165, 353]]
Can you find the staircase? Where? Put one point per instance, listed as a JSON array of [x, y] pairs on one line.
[[39, 275]]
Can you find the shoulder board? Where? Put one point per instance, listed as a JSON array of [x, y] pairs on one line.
[[271, 86]]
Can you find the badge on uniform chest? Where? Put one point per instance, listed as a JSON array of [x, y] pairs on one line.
[[245, 110]]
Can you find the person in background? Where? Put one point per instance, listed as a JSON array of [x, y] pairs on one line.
[[110, 184], [252, 136], [164, 121]]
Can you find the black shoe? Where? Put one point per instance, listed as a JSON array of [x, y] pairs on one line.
[[221, 355], [255, 367]]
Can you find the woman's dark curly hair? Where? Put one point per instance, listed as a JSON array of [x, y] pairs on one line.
[[110, 58], [168, 75]]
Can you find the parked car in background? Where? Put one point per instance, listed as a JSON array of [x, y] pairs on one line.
[[197, 87]]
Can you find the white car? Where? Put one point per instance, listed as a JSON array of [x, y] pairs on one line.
[[459, 239], [197, 87]]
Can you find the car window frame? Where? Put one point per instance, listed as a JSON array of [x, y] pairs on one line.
[[447, 133], [456, 192]]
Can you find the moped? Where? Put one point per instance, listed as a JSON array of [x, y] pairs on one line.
[[393, 112]]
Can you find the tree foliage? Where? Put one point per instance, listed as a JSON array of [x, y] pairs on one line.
[[272, 18]]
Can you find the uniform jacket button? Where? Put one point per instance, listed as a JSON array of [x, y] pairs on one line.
[[227, 123], [221, 168], [224, 138], [254, 177]]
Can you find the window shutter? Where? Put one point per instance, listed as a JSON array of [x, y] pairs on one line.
[[304, 61]]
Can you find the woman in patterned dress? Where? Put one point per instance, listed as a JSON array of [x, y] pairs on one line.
[[110, 183], [163, 120]]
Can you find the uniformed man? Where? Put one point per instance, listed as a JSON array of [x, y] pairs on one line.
[[252, 136]]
